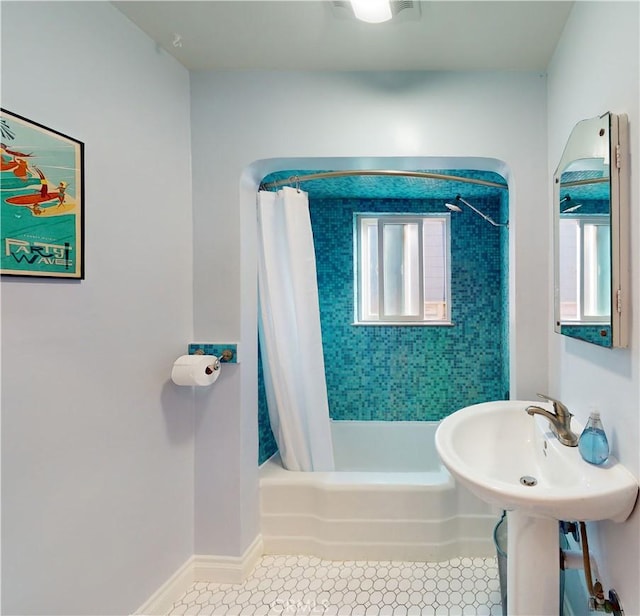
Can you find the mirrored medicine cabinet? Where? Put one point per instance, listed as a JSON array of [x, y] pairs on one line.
[[591, 233]]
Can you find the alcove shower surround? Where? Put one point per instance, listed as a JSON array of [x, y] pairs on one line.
[[411, 373]]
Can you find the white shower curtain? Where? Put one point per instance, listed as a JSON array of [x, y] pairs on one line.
[[290, 336]]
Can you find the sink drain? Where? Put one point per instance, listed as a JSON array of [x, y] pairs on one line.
[[528, 480]]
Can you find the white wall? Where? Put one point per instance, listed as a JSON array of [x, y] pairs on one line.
[[378, 119], [596, 69], [97, 446]]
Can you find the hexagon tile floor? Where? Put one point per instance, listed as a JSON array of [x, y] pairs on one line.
[[310, 586]]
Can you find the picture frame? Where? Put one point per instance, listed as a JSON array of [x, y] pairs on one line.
[[42, 200]]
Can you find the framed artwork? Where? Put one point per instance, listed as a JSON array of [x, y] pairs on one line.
[[42, 200]]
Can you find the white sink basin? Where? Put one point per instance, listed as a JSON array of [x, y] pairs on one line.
[[489, 447]]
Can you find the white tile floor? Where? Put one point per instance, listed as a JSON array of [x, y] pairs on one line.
[[309, 586]]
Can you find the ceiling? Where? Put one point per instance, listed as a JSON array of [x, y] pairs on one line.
[[316, 35]]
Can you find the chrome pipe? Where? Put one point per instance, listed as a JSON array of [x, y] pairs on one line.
[[296, 179]]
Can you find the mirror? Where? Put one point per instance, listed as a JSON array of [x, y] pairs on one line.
[[591, 223]]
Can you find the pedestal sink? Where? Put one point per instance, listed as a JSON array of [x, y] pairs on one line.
[[512, 460]]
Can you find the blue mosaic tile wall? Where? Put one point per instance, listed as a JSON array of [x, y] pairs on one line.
[[504, 286], [412, 373], [596, 334]]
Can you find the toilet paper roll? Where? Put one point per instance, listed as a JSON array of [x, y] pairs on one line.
[[198, 370]]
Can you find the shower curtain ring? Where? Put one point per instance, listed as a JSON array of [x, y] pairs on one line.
[[296, 179]]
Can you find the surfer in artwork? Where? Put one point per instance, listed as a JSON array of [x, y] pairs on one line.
[[34, 200], [21, 170], [62, 187], [44, 192], [41, 201], [44, 185], [17, 164]]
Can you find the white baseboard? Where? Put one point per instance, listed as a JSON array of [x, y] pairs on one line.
[[228, 569], [202, 568], [161, 601]]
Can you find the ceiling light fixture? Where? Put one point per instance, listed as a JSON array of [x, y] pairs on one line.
[[372, 11]]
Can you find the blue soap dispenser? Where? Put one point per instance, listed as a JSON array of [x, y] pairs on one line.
[[593, 444]]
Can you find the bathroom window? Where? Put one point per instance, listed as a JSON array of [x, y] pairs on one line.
[[402, 269], [585, 275]]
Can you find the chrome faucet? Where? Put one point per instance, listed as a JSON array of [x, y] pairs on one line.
[[559, 420]]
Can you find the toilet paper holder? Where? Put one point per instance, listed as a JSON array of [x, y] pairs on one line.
[[212, 367], [225, 356], [226, 351]]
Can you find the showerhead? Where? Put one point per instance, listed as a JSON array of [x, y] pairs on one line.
[[573, 208], [453, 207]]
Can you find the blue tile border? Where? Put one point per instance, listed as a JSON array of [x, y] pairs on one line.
[[217, 349], [596, 334]]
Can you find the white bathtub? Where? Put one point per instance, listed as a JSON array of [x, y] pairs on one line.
[[389, 499]]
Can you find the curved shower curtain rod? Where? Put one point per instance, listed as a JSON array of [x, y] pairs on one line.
[[296, 179]]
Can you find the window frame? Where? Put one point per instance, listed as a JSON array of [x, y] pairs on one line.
[[382, 219]]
